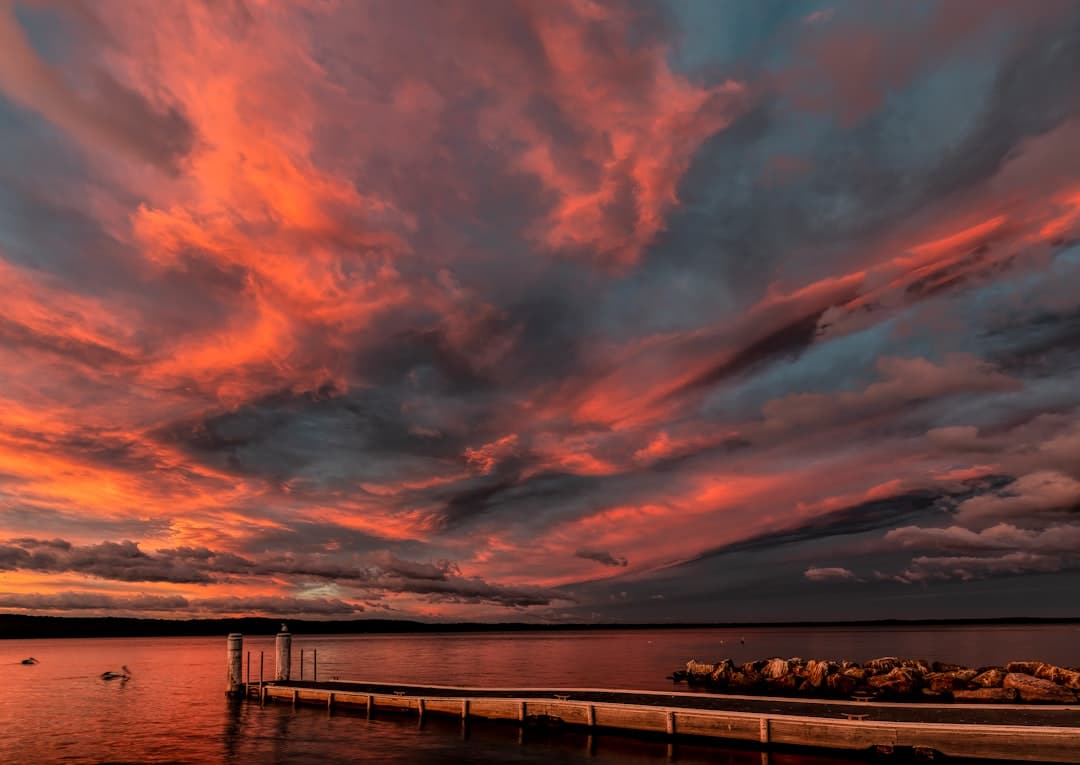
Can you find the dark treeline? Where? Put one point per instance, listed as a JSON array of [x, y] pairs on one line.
[[29, 626]]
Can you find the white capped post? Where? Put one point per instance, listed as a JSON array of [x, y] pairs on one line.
[[234, 677], [283, 644]]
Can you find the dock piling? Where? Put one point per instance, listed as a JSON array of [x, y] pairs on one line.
[[283, 644], [301, 663], [234, 667]]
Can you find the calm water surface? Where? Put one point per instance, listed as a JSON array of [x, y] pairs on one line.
[[173, 709]]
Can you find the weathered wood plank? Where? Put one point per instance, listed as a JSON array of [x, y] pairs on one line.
[[1018, 743]]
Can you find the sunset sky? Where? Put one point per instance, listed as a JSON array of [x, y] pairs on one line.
[[540, 310]]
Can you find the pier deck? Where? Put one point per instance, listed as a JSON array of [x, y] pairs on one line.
[[1003, 732]]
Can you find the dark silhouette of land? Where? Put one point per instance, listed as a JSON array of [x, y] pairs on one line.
[[32, 626]]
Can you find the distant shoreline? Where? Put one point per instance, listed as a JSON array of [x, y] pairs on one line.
[[23, 626]]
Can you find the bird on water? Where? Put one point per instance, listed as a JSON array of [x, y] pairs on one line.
[[30, 660], [123, 675]]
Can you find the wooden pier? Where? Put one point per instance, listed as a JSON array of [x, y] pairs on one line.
[[1012, 732], [1004, 732]]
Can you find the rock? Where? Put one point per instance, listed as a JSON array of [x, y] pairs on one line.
[[696, 670], [841, 684], [991, 678], [1036, 689], [943, 682], [985, 696], [818, 671], [857, 673], [917, 665], [776, 668], [723, 671], [785, 683], [898, 682], [932, 695], [740, 680], [966, 675], [754, 667], [1023, 667], [941, 666], [884, 664], [1066, 677]]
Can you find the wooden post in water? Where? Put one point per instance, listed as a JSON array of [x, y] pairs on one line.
[[234, 664], [260, 671], [247, 676], [283, 644], [301, 663]]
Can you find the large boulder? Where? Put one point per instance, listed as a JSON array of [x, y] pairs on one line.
[[722, 673], [741, 681], [1023, 667], [966, 675], [816, 672], [785, 683], [898, 682], [696, 670], [754, 667], [884, 664], [1067, 677], [916, 665], [857, 673], [941, 666], [1038, 690], [991, 678], [776, 668], [942, 682], [985, 696], [841, 684]]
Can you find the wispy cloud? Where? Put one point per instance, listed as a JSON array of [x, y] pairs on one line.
[[573, 299]]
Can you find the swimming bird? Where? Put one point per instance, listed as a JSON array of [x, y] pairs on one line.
[[30, 660], [123, 675]]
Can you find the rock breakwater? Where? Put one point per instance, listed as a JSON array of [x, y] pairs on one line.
[[889, 679]]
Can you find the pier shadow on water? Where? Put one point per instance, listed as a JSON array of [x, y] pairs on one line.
[[279, 734]]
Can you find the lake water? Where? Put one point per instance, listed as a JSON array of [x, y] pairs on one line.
[[173, 709]]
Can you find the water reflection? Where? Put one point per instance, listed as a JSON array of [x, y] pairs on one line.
[[172, 707], [234, 727]]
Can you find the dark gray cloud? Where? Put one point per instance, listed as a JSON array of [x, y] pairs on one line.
[[120, 561], [86, 601], [601, 556], [382, 572]]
